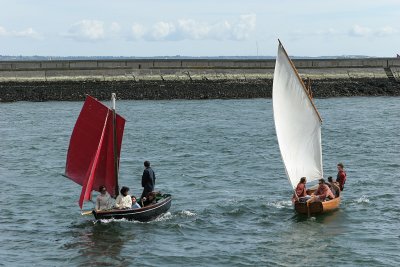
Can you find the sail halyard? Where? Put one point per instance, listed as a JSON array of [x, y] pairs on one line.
[[297, 123]]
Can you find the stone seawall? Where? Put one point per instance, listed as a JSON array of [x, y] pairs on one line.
[[186, 89], [190, 78]]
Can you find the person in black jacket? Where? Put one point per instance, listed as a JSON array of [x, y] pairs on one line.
[[148, 179]]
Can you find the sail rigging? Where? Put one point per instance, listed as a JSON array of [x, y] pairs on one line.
[[92, 151], [297, 122]]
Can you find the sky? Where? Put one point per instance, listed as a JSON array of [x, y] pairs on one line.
[[199, 28]]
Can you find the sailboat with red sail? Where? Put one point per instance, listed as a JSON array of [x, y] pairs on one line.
[[93, 160]]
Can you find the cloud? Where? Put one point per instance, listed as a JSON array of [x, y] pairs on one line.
[[360, 31], [354, 31], [87, 30], [246, 24], [386, 31], [138, 31], [162, 30], [189, 29], [3, 31], [115, 27], [329, 31], [27, 33]]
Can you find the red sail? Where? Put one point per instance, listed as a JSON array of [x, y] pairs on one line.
[[90, 158]]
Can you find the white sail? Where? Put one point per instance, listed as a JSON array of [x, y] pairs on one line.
[[297, 123]]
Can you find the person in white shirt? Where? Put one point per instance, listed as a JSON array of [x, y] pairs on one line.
[[103, 201], [124, 200]]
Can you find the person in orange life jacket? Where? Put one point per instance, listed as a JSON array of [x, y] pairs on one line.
[[301, 191]]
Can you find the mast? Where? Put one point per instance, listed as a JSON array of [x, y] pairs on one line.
[[114, 126]]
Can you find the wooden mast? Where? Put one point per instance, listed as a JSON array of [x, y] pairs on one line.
[[114, 125]]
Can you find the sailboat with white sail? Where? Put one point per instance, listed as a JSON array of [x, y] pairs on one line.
[[298, 129]]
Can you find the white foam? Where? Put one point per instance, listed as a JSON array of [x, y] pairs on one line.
[[280, 204], [188, 213], [362, 199], [164, 217], [114, 220]]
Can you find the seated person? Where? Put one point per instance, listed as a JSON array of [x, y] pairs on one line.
[[123, 201], [103, 201], [135, 205], [334, 186], [322, 193], [301, 191], [150, 199]]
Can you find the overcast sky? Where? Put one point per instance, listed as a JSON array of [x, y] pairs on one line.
[[199, 28]]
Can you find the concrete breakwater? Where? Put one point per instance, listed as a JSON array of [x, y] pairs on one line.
[[190, 79]]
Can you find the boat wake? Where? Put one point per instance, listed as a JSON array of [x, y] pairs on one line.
[[113, 220], [163, 217], [280, 204], [187, 213]]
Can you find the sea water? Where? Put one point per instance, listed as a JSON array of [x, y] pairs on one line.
[[231, 199]]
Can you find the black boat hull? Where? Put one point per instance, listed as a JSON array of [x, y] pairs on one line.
[[143, 214]]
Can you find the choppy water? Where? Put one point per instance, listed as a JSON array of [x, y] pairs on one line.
[[221, 162]]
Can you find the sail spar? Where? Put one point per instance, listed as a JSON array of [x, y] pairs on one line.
[[297, 123], [90, 158]]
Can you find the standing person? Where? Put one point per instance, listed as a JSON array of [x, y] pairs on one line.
[[148, 179], [103, 201], [301, 191], [341, 176]]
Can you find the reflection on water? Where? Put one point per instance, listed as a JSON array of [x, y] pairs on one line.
[[101, 244]]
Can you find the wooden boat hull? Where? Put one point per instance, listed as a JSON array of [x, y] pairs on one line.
[[143, 214], [317, 207]]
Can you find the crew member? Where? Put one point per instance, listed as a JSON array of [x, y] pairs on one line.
[[341, 176], [148, 179]]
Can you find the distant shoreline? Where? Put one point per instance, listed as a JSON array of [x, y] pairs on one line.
[[187, 89]]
